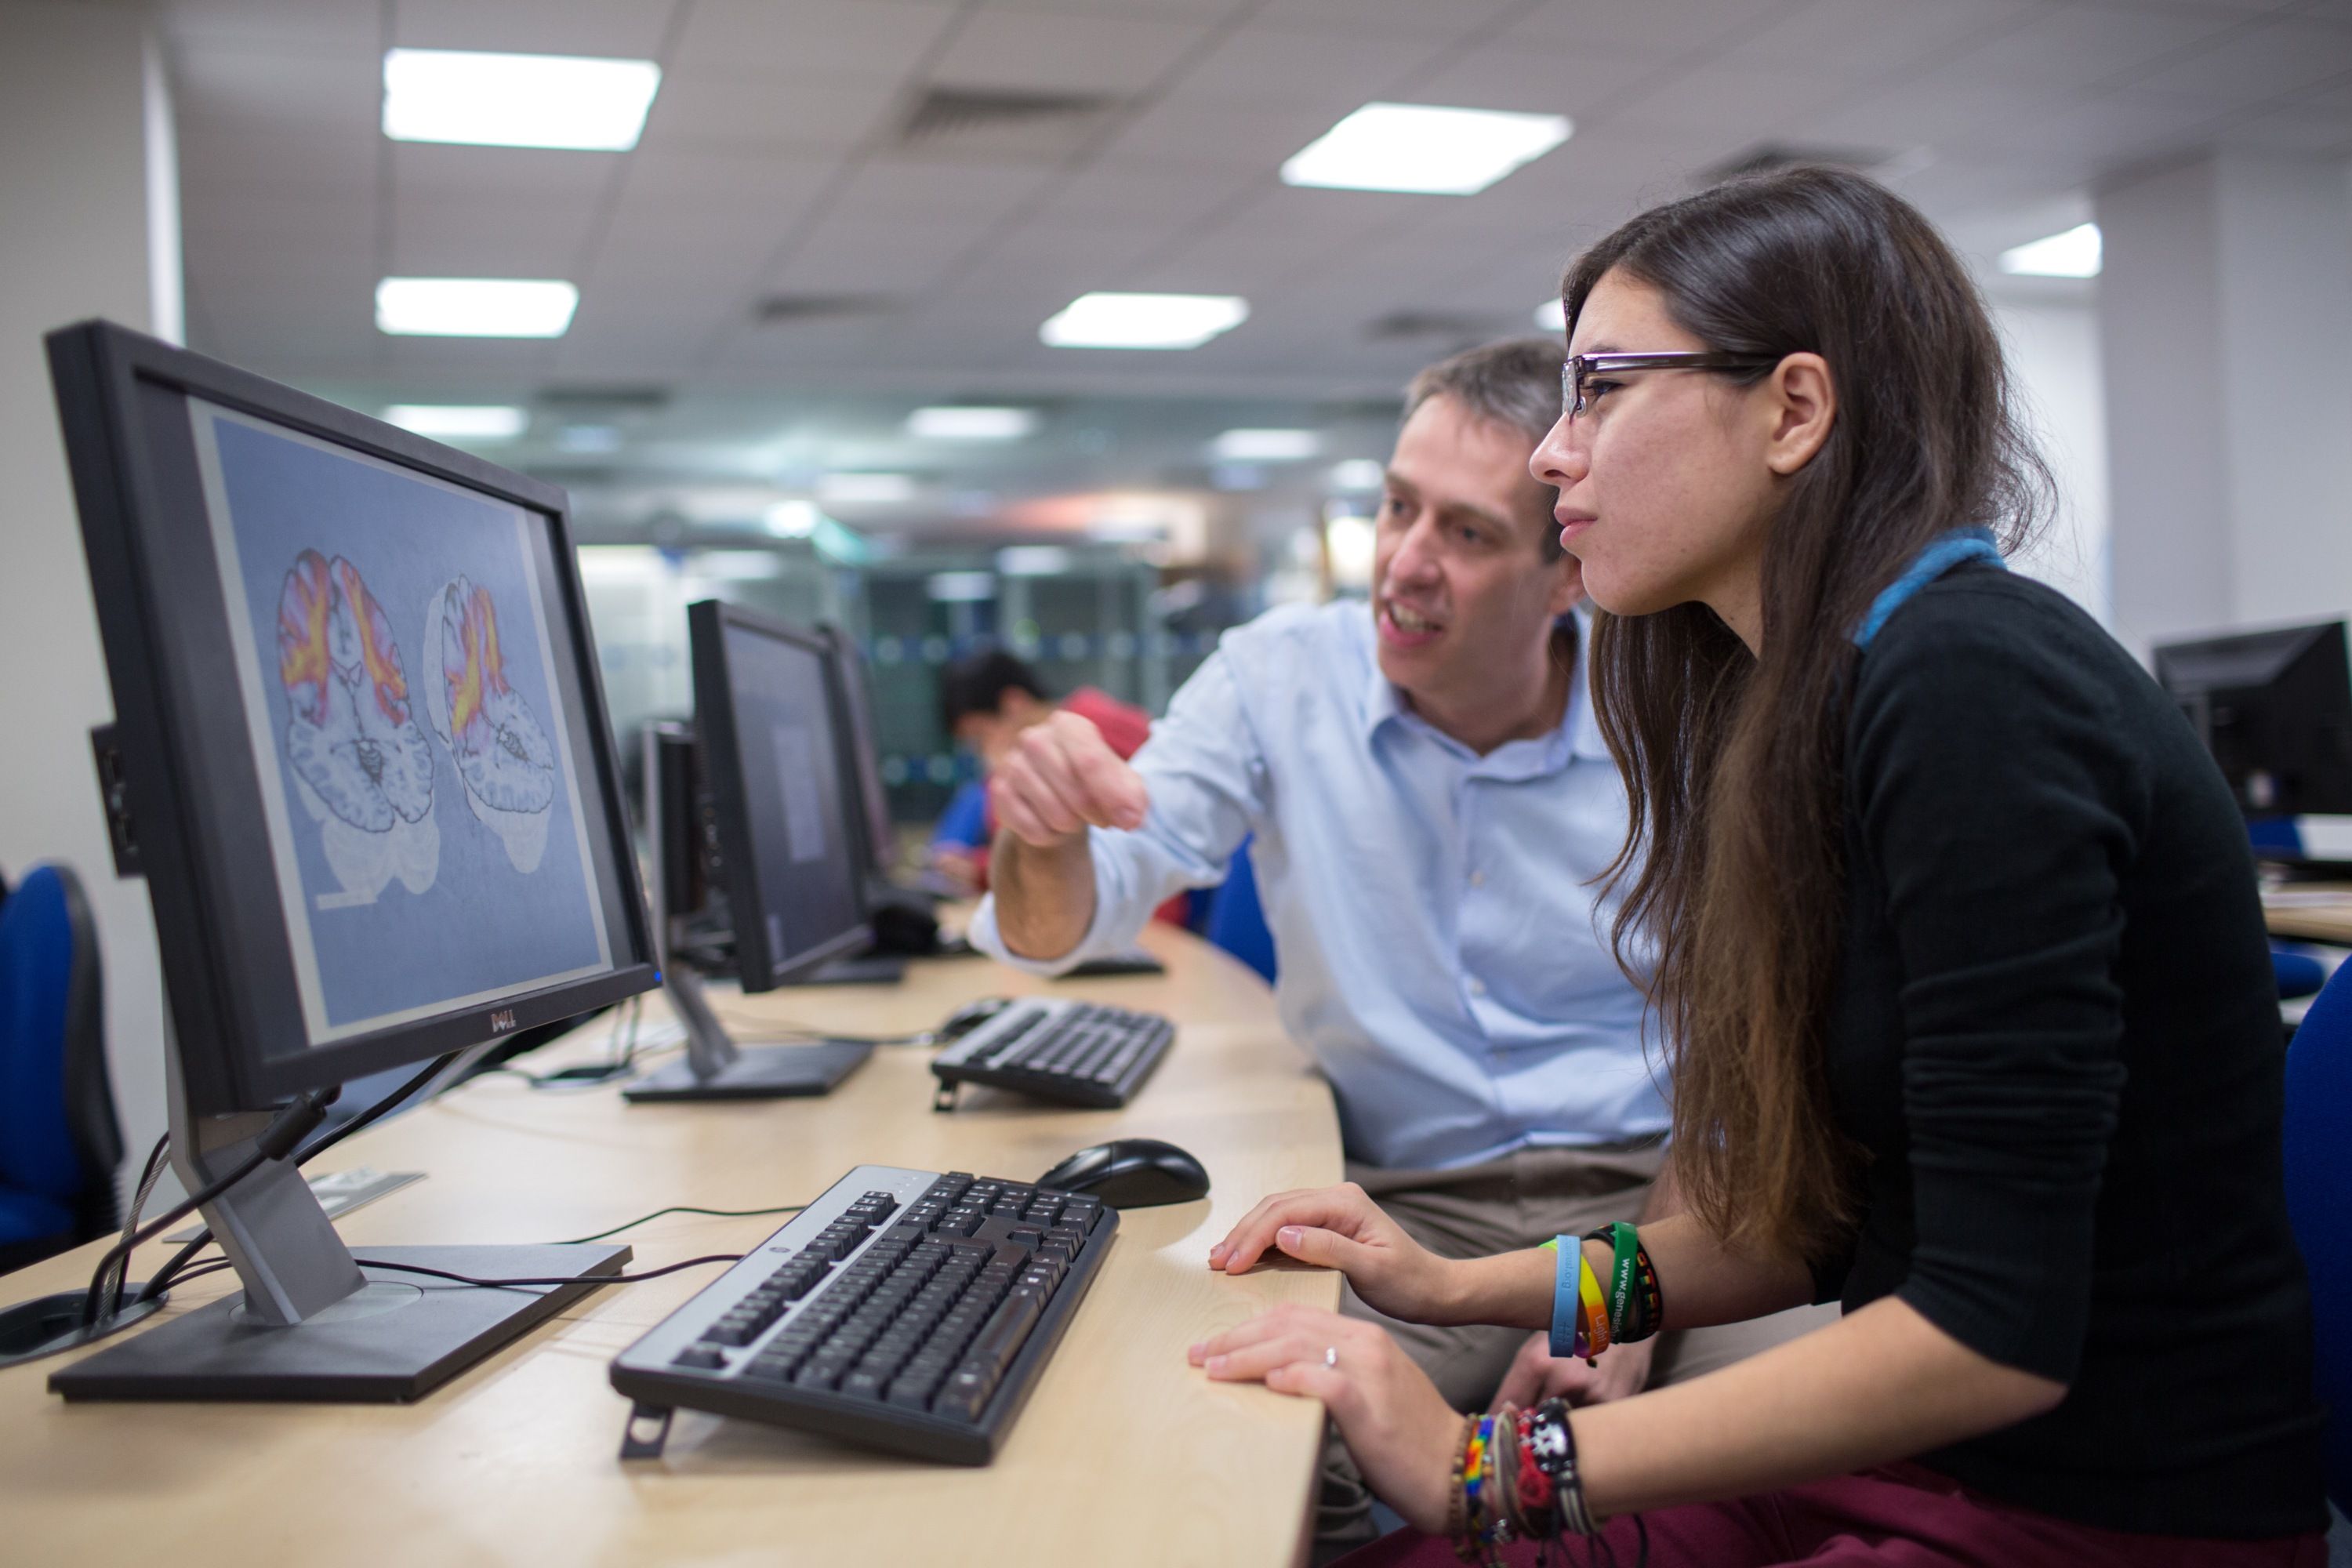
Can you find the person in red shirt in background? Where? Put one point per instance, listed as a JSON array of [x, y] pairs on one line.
[[988, 699]]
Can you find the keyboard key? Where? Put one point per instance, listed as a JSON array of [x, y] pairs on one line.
[[701, 1356]]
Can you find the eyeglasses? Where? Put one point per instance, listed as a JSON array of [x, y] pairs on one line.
[[1580, 372]]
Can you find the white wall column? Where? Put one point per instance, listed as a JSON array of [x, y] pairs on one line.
[[2225, 312], [88, 227]]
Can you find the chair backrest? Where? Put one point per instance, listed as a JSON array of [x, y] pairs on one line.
[[2319, 1200], [59, 1135], [1237, 921]]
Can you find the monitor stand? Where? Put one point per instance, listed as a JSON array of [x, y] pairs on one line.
[[314, 1323], [716, 1067], [869, 968]]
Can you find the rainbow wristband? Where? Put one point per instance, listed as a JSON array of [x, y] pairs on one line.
[[1594, 1308]]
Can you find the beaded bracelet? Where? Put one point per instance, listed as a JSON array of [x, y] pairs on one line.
[[1457, 1505]]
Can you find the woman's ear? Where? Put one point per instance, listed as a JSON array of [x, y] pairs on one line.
[[1804, 404]]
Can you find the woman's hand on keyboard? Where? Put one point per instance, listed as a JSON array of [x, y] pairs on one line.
[[1341, 1227], [1399, 1427]]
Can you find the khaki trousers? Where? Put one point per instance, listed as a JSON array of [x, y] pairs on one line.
[[1502, 1206]]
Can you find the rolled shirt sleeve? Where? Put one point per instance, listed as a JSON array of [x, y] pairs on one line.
[[1205, 774]]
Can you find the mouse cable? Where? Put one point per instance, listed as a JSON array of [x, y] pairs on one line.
[[286, 1130], [591, 1279], [680, 1208]]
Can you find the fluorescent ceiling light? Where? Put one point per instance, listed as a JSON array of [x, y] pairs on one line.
[[1552, 315], [960, 587], [969, 424], [1421, 148], [588, 438], [1265, 446], [1359, 475], [865, 489], [475, 307], [1033, 561], [516, 100], [1143, 320], [793, 519], [458, 421], [2074, 254]]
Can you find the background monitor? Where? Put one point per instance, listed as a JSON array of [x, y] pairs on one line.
[[2276, 710], [362, 740], [871, 801], [792, 857], [764, 708]]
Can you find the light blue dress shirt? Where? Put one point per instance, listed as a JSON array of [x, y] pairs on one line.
[[1443, 952]]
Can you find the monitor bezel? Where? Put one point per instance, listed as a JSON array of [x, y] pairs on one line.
[[706, 622], [861, 769], [213, 888]]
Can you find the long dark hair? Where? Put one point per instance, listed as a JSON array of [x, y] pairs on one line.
[[1732, 874]]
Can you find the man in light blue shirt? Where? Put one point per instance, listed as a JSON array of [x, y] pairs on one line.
[[1432, 801]]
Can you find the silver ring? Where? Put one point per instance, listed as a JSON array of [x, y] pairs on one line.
[[1331, 1355]]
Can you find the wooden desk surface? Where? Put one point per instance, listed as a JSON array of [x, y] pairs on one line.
[[1123, 1453], [2310, 911]]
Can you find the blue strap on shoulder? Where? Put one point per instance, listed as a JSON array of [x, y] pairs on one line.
[[1943, 553]]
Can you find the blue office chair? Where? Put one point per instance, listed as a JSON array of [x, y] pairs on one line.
[[59, 1143], [1236, 922], [2319, 1202]]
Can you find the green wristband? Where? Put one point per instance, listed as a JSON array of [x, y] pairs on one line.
[[1623, 1283]]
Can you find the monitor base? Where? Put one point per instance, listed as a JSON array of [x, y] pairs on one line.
[[858, 969], [394, 1342], [757, 1072]]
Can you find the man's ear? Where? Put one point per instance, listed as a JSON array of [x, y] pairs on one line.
[[1803, 401], [1568, 584]]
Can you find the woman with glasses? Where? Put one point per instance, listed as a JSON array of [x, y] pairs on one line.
[[1960, 973]]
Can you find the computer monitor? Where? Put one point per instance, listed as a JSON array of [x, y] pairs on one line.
[[2276, 710], [863, 759], [365, 770], [792, 861]]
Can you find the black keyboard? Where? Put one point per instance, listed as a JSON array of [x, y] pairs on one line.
[[1079, 1053], [903, 1309]]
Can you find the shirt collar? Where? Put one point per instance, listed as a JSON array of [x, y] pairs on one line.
[[1577, 737]]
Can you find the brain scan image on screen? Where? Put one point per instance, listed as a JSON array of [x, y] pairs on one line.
[[504, 758], [361, 765]]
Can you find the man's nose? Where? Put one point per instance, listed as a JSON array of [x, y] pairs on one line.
[[1414, 560]]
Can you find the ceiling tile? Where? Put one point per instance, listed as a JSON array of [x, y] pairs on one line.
[[423, 169], [1327, 71], [700, 111], [852, 40], [1875, 36], [1653, 28], [2257, 64], [1050, 53], [489, 237], [278, 24], [631, 29]]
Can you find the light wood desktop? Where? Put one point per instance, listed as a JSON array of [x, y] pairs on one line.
[[1124, 1453], [2310, 911]]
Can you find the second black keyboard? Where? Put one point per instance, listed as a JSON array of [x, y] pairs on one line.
[[1080, 1053], [903, 1309]]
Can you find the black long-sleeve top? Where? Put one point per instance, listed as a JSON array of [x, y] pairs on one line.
[[2055, 1034]]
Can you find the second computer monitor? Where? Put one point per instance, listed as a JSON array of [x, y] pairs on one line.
[[2276, 710], [795, 864], [861, 774]]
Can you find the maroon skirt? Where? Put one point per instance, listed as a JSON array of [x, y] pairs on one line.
[[1897, 1516]]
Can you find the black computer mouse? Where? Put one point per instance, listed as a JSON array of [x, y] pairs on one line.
[[1131, 1173]]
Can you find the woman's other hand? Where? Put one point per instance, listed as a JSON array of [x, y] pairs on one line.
[[1398, 1427]]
